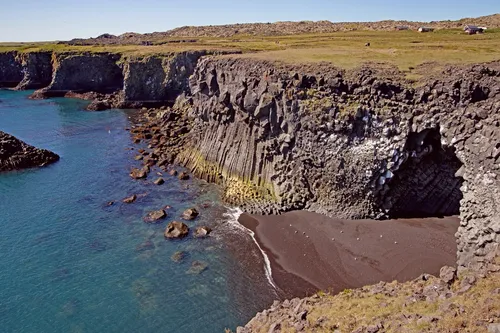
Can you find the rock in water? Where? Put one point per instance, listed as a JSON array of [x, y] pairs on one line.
[[130, 199], [16, 154], [173, 173], [202, 232], [159, 181], [183, 176], [190, 214], [176, 230], [138, 173], [155, 216], [178, 256]]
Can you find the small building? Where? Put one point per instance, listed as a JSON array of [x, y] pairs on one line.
[[425, 29], [472, 29]]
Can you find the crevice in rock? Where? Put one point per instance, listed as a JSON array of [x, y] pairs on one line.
[[428, 183]]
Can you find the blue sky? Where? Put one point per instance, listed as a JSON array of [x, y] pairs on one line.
[[38, 20]]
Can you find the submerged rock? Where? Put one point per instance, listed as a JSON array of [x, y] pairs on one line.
[[155, 216], [147, 245], [197, 267], [190, 214], [178, 256], [17, 155], [176, 230], [202, 232]]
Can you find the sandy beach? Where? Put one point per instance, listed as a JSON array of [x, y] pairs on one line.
[[311, 252]]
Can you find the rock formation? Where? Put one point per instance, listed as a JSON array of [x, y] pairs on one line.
[[17, 155]]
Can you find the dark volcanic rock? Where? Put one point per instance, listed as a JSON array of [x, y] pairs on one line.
[[176, 230], [130, 199], [138, 173], [159, 181], [17, 155], [155, 216], [202, 232], [190, 214]]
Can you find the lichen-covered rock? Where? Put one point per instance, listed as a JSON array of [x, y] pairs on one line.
[[17, 155]]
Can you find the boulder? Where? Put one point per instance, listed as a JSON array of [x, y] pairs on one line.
[[448, 274], [159, 181], [173, 172], [138, 173], [155, 216], [130, 199], [190, 214], [202, 232], [183, 176], [176, 230]]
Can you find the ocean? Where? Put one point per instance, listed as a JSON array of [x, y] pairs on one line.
[[72, 263]]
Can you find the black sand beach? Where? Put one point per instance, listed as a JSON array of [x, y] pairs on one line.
[[311, 252]]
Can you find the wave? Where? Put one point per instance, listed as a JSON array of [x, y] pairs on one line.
[[232, 214]]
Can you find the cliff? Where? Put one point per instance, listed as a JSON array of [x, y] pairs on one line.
[[349, 144], [17, 155], [345, 144]]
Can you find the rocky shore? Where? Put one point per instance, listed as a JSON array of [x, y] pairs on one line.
[[17, 155], [354, 144]]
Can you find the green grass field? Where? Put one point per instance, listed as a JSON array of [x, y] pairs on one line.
[[405, 49]]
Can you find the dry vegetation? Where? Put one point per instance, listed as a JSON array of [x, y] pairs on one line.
[[412, 52]]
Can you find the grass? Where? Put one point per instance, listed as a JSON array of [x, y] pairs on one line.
[[348, 311], [407, 50]]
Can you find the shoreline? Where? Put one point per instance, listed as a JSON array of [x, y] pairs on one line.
[[309, 252]]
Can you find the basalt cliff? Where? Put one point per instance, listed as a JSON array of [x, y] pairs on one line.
[[352, 144]]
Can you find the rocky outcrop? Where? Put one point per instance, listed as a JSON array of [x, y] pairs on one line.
[[96, 72], [17, 155], [158, 80], [176, 230], [346, 144], [36, 68], [11, 72]]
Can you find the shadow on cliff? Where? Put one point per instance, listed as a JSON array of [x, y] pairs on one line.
[[428, 182]]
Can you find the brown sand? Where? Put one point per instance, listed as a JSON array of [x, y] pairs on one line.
[[311, 252]]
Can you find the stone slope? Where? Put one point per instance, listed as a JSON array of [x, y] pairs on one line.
[[469, 303], [17, 155]]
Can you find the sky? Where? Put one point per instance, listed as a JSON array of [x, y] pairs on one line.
[[44, 20]]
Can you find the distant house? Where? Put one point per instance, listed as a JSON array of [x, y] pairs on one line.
[[425, 29], [472, 29], [402, 27]]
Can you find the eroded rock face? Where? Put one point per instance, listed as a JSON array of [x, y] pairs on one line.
[[17, 155], [158, 79], [348, 145], [37, 70], [97, 72], [10, 70]]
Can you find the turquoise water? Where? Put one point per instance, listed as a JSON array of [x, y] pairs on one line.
[[70, 263]]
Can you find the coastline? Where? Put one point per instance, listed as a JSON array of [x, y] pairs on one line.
[[310, 252]]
